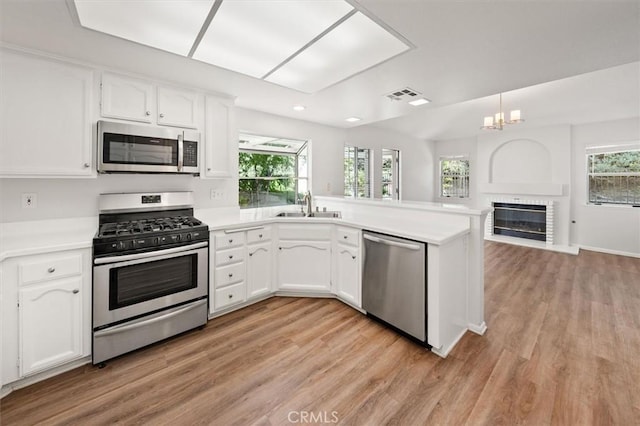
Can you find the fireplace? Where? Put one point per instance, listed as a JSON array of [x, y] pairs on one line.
[[520, 220]]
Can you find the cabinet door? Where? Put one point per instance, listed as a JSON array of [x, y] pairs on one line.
[[177, 108], [304, 265], [221, 140], [126, 98], [347, 274], [259, 269], [45, 107], [50, 324]]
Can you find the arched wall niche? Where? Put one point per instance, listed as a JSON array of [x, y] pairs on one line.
[[521, 161]]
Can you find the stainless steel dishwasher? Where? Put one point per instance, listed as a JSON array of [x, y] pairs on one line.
[[394, 286]]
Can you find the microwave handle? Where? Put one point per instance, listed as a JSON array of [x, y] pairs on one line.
[[180, 152]]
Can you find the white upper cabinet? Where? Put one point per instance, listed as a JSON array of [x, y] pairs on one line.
[[221, 138], [46, 117], [177, 108], [127, 98]]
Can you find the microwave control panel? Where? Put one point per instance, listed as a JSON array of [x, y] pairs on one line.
[[190, 158]]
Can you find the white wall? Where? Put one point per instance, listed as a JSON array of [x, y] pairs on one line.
[[416, 161], [614, 229]]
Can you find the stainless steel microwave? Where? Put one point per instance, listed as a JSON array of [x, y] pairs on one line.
[[129, 148]]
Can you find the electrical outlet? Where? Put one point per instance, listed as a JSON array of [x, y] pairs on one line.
[[29, 200], [329, 187], [216, 194]]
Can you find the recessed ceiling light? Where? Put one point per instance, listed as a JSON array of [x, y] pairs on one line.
[[299, 107], [419, 102], [353, 119]]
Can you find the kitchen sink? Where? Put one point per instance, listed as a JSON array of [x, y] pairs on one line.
[[291, 214], [313, 214], [326, 214]]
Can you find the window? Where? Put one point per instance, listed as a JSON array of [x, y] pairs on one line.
[[614, 177], [357, 172], [454, 177], [273, 171], [390, 174]]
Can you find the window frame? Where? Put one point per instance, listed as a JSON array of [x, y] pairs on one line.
[[369, 183], [609, 149], [305, 146], [395, 174], [464, 157]]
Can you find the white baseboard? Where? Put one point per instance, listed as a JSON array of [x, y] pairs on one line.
[[607, 251], [443, 352], [478, 329]]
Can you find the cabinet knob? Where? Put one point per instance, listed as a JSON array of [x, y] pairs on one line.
[[86, 165], [353, 257], [51, 270], [259, 235], [345, 237], [147, 113], [230, 275], [250, 254], [209, 169], [161, 115], [231, 296], [230, 241], [76, 291]]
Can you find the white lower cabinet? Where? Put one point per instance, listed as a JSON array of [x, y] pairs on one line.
[[347, 265], [259, 269], [46, 311], [304, 257], [50, 324], [241, 266]]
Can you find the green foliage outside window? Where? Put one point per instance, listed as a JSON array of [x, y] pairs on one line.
[[614, 177]]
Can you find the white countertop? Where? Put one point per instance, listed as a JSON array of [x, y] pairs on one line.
[[34, 237], [454, 208]]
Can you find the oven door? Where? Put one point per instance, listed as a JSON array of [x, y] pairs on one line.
[[128, 286]]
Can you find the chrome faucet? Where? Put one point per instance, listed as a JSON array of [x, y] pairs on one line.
[[307, 199]]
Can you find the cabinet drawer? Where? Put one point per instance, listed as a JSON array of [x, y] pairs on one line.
[[349, 236], [48, 269], [229, 295], [231, 274], [224, 240], [305, 232], [258, 235], [233, 255]]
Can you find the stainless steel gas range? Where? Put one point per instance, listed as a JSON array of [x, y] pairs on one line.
[[150, 271]]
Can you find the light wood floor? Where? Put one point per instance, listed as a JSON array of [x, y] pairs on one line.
[[563, 347]]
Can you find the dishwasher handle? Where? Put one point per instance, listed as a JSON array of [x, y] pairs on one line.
[[391, 242]]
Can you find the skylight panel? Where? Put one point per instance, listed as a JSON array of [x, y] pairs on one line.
[[254, 36], [170, 25], [353, 46]]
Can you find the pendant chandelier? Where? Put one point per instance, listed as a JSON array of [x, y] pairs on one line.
[[498, 122]]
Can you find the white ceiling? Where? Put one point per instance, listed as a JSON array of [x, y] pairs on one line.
[[465, 52]]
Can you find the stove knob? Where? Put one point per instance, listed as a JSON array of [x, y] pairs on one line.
[[189, 237], [121, 245], [133, 244], [156, 241], [178, 237]]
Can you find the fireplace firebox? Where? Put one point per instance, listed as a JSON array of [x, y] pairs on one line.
[[520, 220]]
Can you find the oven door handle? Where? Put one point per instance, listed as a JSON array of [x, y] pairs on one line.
[[112, 259], [141, 323]]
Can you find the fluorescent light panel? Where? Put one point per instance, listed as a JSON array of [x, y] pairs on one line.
[[353, 46], [289, 43], [420, 101], [352, 119], [170, 25], [254, 36]]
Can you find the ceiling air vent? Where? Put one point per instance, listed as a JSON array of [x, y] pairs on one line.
[[405, 94]]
